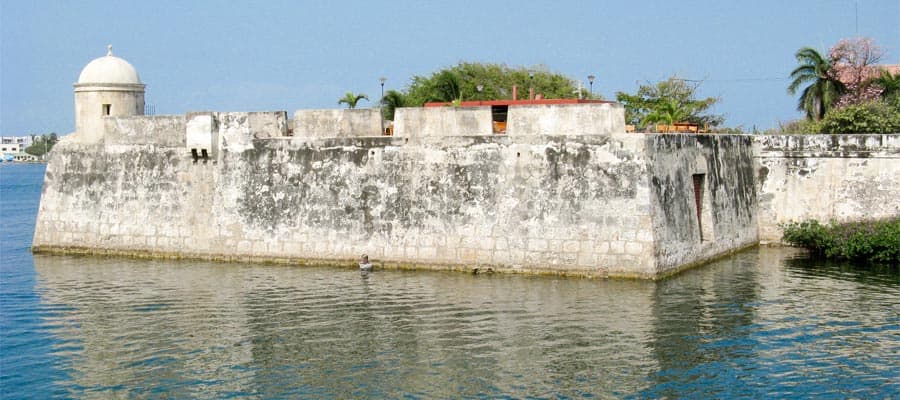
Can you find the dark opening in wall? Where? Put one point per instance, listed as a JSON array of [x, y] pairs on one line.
[[106, 109], [498, 118], [699, 180]]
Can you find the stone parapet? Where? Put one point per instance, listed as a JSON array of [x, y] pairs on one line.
[[838, 178], [586, 205]]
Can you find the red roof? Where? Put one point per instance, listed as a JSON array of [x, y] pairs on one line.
[[484, 103]]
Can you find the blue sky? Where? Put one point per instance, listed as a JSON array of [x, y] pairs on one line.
[[288, 55]]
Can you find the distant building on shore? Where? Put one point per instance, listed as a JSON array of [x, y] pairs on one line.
[[12, 148]]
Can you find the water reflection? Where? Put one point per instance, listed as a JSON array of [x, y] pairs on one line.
[[207, 330], [750, 325]]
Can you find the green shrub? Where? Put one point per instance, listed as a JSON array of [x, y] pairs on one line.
[[875, 241], [798, 126], [879, 116]]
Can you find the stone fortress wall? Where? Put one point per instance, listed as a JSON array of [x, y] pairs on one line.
[[599, 203], [564, 190], [826, 177]]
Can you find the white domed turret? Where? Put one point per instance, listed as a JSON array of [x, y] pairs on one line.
[[109, 69], [107, 86]]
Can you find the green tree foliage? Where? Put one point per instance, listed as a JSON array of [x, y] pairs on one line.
[[888, 83], [876, 116], [668, 111], [391, 101], [879, 116], [460, 83], [42, 144], [823, 88], [668, 101], [351, 99], [875, 241]]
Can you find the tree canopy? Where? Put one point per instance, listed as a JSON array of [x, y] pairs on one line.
[[461, 82], [888, 83], [823, 87], [669, 101], [847, 92], [42, 144]]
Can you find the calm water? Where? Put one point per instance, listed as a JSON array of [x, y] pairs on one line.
[[762, 324]]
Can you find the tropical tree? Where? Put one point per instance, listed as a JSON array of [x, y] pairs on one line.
[[668, 112], [854, 63], [391, 101], [488, 81], [42, 144], [351, 99], [824, 88], [888, 83], [671, 100]]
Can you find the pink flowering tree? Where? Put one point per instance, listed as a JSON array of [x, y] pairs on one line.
[[853, 62]]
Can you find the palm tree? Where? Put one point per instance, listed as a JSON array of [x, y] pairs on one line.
[[824, 88], [889, 84], [446, 87], [667, 111], [391, 101], [351, 99]]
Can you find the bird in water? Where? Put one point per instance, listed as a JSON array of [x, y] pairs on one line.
[[364, 264]]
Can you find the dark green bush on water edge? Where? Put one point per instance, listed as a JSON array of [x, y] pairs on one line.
[[874, 241]]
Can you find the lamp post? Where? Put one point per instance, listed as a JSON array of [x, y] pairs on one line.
[[531, 89], [381, 103], [591, 82], [479, 87]]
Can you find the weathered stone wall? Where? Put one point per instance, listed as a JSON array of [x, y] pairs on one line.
[[442, 121], [337, 123], [163, 130], [727, 217], [612, 204], [825, 177], [566, 119], [124, 100]]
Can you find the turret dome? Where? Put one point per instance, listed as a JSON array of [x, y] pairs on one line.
[[109, 69]]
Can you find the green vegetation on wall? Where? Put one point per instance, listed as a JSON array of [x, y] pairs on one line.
[[877, 116], [462, 81], [669, 101], [481, 81], [875, 241]]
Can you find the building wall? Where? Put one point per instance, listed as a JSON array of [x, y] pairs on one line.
[[22, 141], [89, 100], [337, 123], [597, 205], [418, 122], [160, 130], [566, 119], [825, 177], [727, 216]]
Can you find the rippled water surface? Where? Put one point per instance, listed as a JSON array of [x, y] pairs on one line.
[[762, 324]]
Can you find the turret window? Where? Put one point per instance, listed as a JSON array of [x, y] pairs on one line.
[[106, 109]]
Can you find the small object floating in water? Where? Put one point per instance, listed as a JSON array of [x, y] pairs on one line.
[[364, 264]]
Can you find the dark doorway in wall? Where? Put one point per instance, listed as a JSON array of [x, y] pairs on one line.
[[498, 118], [699, 180], [106, 109]]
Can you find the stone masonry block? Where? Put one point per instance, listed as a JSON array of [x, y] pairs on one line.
[[633, 248], [537, 245]]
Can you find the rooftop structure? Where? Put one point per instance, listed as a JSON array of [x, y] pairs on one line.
[[107, 86]]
